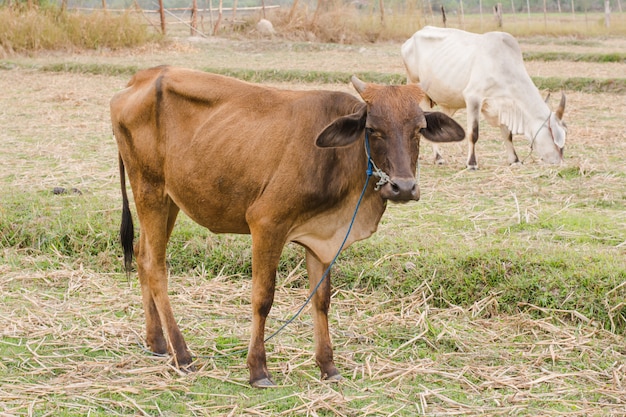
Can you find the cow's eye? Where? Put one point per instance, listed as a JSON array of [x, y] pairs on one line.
[[374, 134]]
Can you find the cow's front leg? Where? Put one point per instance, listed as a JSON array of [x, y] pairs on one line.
[[507, 137], [321, 304], [265, 257]]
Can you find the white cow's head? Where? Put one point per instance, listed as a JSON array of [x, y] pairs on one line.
[[549, 139]]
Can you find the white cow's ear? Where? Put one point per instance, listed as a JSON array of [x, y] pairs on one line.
[[559, 134], [344, 130]]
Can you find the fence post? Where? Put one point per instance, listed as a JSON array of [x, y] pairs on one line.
[[219, 17], [194, 18], [497, 12], [443, 15], [162, 14], [607, 13]]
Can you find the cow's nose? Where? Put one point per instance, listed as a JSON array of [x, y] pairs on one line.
[[401, 189]]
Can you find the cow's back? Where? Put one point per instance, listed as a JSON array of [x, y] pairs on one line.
[[447, 61], [221, 145]]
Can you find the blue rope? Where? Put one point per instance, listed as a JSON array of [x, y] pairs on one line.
[[369, 171]]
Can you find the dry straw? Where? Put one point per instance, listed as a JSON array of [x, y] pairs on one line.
[[74, 342]]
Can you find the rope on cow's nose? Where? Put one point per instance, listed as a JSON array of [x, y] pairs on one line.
[[372, 169], [532, 142]]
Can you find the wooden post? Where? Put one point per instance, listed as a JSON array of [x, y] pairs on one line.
[[194, 18], [573, 11], [443, 15], [104, 5], [162, 14], [211, 13], [219, 17], [381, 4], [497, 13], [545, 14], [607, 13], [462, 15], [234, 10]]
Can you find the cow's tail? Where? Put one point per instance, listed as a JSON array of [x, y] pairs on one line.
[[127, 232]]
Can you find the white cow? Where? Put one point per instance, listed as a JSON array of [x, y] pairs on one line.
[[484, 73]]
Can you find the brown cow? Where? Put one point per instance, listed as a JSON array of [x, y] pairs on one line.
[[284, 166]]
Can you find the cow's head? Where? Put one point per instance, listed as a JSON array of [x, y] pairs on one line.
[[549, 139], [394, 121]]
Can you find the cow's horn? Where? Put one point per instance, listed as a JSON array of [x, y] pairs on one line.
[[559, 112], [358, 84], [547, 98]]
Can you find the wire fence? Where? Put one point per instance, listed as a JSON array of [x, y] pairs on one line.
[[212, 15]]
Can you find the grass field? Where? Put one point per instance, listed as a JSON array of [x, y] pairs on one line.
[[502, 291]]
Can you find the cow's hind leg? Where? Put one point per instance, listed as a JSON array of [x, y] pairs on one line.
[[157, 215], [437, 156], [321, 304], [473, 119]]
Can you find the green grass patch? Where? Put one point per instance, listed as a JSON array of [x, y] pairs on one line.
[[587, 85], [575, 57]]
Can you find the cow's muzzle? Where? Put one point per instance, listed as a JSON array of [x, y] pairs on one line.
[[400, 190]]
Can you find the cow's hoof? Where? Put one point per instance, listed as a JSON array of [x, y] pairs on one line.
[[333, 378], [188, 368], [472, 167], [263, 383]]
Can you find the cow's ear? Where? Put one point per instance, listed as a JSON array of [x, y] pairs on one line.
[[344, 130], [442, 128]]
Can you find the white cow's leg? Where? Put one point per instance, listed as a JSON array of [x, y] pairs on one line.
[[507, 137], [437, 156], [473, 118]]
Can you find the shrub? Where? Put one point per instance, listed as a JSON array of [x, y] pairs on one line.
[[49, 28]]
